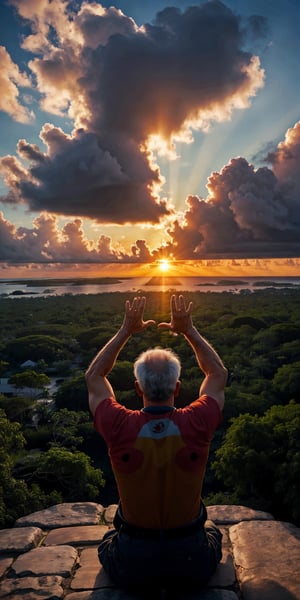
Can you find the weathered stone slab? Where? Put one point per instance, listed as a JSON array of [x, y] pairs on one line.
[[90, 575], [267, 557], [55, 560], [268, 589], [110, 512], [229, 514], [5, 563], [76, 536], [63, 515], [32, 588], [16, 541]]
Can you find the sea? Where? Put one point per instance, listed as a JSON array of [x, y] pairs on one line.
[[21, 288]]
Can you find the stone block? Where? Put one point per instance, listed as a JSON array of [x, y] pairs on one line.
[[90, 575], [110, 512], [5, 563], [76, 536], [268, 589], [229, 514], [32, 588], [16, 541], [63, 515], [54, 560], [267, 556]]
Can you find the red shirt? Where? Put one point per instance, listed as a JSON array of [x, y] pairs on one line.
[[159, 458]]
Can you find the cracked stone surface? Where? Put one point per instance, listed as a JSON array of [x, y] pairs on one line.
[[55, 560], [19, 540], [229, 514], [52, 555], [77, 536], [31, 587], [90, 575], [73, 513], [109, 513], [267, 559]]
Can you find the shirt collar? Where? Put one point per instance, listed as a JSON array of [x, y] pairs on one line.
[[157, 410]]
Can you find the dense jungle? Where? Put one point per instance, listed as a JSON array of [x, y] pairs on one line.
[[50, 452]]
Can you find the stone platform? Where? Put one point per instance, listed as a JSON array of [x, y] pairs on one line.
[[52, 555]]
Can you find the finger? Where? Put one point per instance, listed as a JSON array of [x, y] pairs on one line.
[[173, 303], [181, 303], [135, 303], [136, 306], [164, 325], [148, 323], [139, 303], [189, 308], [142, 303]]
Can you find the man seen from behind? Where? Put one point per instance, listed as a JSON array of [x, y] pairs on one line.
[[161, 536]]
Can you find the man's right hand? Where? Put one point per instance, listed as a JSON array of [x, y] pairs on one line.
[[181, 316]]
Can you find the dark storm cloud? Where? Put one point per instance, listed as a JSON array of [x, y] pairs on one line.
[[249, 212], [90, 181], [45, 243], [120, 84]]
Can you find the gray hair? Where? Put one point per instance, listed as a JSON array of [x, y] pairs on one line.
[[157, 372]]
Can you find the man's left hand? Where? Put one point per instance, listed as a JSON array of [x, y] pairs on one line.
[[134, 316]]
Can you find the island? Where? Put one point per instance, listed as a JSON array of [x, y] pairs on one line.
[[163, 280]]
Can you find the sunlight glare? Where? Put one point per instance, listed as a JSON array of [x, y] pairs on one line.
[[164, 265]]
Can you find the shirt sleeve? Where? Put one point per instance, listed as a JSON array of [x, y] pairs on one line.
[[110, 417], [204, 415]]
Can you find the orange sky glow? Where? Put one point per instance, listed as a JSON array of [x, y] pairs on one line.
[[134, 143], [171, 268]]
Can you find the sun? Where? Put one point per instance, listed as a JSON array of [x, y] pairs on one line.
[[164, 265]]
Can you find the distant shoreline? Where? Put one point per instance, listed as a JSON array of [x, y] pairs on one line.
[[22, 288], [67, 281], [155, 280]]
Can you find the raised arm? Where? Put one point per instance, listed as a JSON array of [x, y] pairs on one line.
[[208, 359], [98, 385]]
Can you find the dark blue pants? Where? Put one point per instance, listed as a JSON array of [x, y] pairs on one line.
[[135, 563]]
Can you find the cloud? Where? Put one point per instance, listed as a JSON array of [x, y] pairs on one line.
[[285, 161], [48, 243], [11, 78], [248, 212], [121, 84]]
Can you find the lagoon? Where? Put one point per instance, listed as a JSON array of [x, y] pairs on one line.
[[19, 288]]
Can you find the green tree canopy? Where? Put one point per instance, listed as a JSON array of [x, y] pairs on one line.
[[68, 472], [73, 394], [122, 377], [4, 366], [17, 408], [16, 497], [259, 460], [35, 347], [287, 381], [64, 424], [30, 379]]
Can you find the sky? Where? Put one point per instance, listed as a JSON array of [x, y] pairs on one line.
[[138, 132]]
